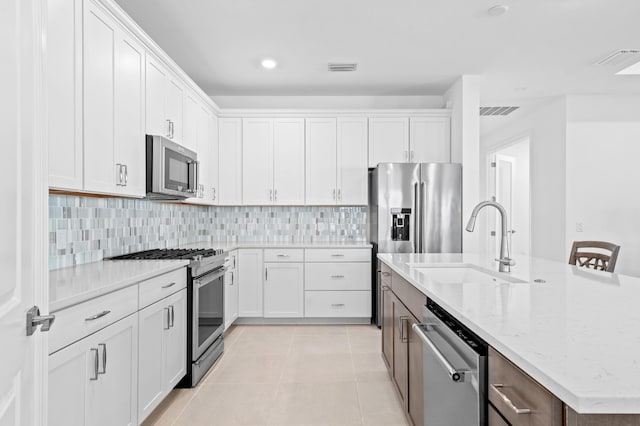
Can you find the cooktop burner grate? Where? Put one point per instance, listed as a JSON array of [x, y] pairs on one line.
[[159, 254]]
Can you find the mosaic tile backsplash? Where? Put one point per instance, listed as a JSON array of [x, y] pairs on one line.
[[85, 229]]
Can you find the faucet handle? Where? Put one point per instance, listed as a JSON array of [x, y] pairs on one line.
[[506, 261]]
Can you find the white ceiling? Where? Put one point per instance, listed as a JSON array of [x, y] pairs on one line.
[[403, 47]]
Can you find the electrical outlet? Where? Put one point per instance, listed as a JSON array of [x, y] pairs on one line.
[[579, 227]]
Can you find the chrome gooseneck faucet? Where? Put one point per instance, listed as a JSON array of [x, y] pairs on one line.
[[505, 262]]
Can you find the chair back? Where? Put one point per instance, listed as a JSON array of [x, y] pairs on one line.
[[583, 254]]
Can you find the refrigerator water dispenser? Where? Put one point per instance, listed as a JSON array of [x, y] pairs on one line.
[[400, 229]]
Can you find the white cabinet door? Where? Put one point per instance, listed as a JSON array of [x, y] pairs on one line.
[[155, 94], [175, 342], [112, 398], [230, 297], [69, 373], [129, 149], [257, 163], [99, 34], [153, 321], [250, 273], [430, 139], [190, 123], [388, 140], [321, 161], [174, 107], [230, 161], [353, 173], [283, 290], [64, 93], [288, 161], [212, 191]]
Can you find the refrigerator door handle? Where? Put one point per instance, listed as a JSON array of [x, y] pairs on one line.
[[416, 218], [423, 197]]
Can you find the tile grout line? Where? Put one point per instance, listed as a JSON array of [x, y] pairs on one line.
[[353, 366]]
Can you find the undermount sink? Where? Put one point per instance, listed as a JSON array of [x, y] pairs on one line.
[[466, 274]]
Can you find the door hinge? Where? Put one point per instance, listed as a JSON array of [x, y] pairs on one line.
[[34, 319]]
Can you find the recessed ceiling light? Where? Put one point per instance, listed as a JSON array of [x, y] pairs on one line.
[[630, 70], [269, 64], [498, 10]]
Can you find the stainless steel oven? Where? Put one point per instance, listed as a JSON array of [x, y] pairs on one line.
[[455, 370], [172, 171]]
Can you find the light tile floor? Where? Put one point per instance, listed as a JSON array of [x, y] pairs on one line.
[[291, 375]]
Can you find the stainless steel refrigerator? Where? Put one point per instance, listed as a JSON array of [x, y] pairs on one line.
[[414, 208]]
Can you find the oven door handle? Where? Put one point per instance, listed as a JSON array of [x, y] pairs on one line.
[[207, 279], [456, 375]]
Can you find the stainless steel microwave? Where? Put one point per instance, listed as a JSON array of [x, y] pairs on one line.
[[172, 170]]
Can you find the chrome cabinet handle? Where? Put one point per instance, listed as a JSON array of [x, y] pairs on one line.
[[173, 317], [126, 174], [337, 276], [169, 285], [282, 255], [337, 255], [231, 275], [98, 315], [95, 365], [265, 273], [337, 305], [403, 319], [508, 401], [214, 194], [104, 358], [334, 195], [386, 288], [456, 375], [339, 194], [120, 177], [271, 195], [171, 128], [385, 274], [168, 318], [168, 127]]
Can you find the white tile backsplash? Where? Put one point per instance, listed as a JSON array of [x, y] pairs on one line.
[[85, 229]]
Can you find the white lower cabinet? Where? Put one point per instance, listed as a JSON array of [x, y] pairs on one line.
[[341, 304], [250, 274], [283, 290], [162, 353], [231, 290], [93, 381]]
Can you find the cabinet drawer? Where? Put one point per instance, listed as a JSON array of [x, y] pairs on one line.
[[338, 255], [161, 286], [283, 255], [409, 295], [337, 304], [385, 275], [495, 419], [337, 276], [510, 389], [79, 321]]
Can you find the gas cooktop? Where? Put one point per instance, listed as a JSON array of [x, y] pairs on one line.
[[159, 254]]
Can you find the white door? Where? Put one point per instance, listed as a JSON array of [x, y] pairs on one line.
[[321, 161], [23, 215], [230, 161], [283, 290], [212, 132], [353, 174], [175, 361], [388, 140], [250, 275], [257, 161], [430, 140], [288, 161], [155, 94], [153, 322]]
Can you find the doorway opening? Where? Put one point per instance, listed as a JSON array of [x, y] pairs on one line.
[[509, 185]]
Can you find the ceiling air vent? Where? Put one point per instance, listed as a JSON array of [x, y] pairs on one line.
[[620, 57], [503, 110], [342, 67]]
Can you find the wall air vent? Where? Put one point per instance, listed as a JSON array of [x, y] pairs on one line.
[[620, 57], [342, 67], [503, 110]]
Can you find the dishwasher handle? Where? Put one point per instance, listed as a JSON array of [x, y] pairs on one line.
[[456, 375]]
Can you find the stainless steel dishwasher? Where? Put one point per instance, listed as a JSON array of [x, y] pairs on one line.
[[455, 370]]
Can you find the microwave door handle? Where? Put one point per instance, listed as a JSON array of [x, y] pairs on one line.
[[197, 163]]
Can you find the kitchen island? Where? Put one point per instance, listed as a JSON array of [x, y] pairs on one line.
[[572, 330]]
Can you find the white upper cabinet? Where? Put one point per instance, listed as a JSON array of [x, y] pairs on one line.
[[229, 160], [199, 130], [165, 103], [212, 192], [64, 93], [288, 161], [388, 140], [430, 139], [272, 161], [321, 161], [353, 174], [257, 164], [336, 162], [190, 128], [113, 106]]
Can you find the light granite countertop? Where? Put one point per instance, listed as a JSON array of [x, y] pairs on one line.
[[228, 246], [77, 284], [577, 333]]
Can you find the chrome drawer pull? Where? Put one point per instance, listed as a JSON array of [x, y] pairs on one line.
[[337, 276], [337, 255], [95, 365], [282, 255], [507, 401], [96, 316], [385, 274], [337, 305], [104, 358], [168, 285], [168, 311]]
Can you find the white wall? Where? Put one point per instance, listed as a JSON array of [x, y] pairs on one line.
[[329, 102], [545, 125], [463, 98], [603, 174]]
